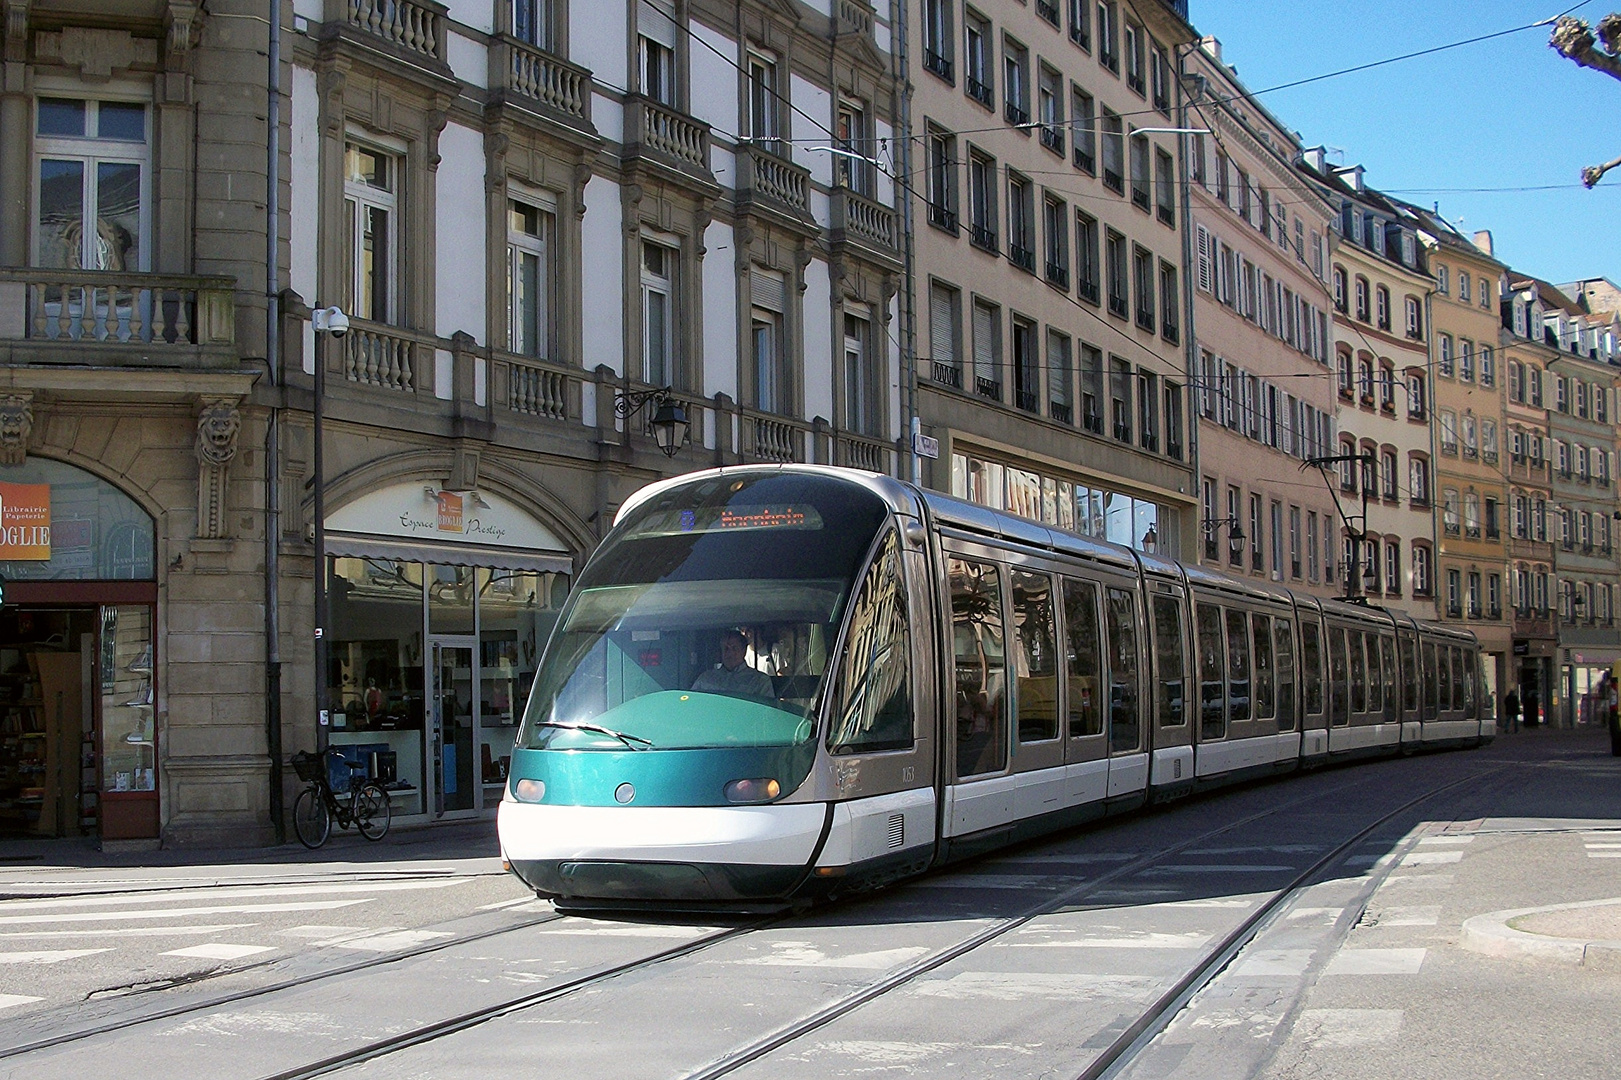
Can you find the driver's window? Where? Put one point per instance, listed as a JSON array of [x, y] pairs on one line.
[[874, 698]]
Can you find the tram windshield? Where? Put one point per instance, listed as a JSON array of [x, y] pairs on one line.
[[706, 619]]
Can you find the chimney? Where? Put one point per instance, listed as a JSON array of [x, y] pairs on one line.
[[1211, 45], [1483, 241]]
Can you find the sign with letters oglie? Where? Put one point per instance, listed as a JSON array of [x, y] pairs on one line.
[[25, 522]]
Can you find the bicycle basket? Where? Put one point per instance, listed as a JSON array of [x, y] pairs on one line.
[[308, 766]]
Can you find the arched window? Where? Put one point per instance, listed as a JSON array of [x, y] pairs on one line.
[[1441, 280], [1362, 298], [1339, 288], [1382, 307], [98, 532], [1388, 474], [1415, 321]]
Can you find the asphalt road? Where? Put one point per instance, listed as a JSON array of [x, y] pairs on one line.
[[1029, 963]]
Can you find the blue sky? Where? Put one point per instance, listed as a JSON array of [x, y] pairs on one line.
[[1507, 113]]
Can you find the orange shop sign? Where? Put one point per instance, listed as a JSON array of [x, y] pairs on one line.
[[25, 522]]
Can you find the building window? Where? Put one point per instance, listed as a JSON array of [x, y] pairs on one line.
[[1147, 411], [1294, 542], [977, 58], [942, 180], [534, 22], [529, 280], [1055, 232], [1086, 257], [1016, 82], [1021, 222], [860, 385], [768, 344], [1415, 322], [1114, 153], [1140, 195], [1080, 23], [982, 214], [1388, 474], [1173, 421], [369, 198], [1169, 299], [1143, 270], [1083, 119], [1533, 383], [1050, 106], [1382, 307], [1165, 186], [1026, 377], [655, 28], [938, 47], [1393, 578], [1418, 480], [1339, 290], [1060, 378], [1115, 253], [1092, 389], [851, 168], [764, 103], [1441, 280], [1160, 79], [1257, 534], [1422, 571], [1136, 75], [1466, 360], [1362, 299], [1120, 397], [945, 311], [987, 350], [1109, 35]]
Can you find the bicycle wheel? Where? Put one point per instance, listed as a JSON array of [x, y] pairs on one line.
[[310, 819], [372, 811]]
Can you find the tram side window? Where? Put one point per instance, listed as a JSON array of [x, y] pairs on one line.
[[1238, 667], [1212, 706], [1432, 682], [1284, 653], [874, 710], [1035, 656], [1311, 663], [1411, 678], [1387, 662], [1467, 663], [1121, 613], [1376, 678], [1337, 698], [1168, 665], [1081, 625], [1443, 678], [1359, 673], [981, 670], [1458, 680], [1265, 675]]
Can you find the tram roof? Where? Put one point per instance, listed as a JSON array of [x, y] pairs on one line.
[[949, 510], [901, 498]]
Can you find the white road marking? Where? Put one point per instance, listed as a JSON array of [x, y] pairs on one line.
[[47, 956], [1265, 962], [176, 913], [1408, 916], [1376, 962], [1287, 849], [1327, 913], [123, 900], [11, 1001], [804, 954], [399, 939], [1604, 854], [1217, 868], [1603, 847], [1433, 840], [219, 950], [522, 900], [629, 930], [1210, 903], [319, 930], [1145, 940], [131, 931], [1431, 858], [873, 1053], [1420, 881], [1019, 985], [1348, 1027]]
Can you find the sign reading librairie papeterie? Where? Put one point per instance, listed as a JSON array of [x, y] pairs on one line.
[[25, 522]]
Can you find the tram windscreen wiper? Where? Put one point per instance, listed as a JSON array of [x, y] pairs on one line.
[[598, 729]]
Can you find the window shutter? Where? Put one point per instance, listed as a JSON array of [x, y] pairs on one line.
[[655, 20], [942, 334], [984, 343], [1204, 258], [768, 290]]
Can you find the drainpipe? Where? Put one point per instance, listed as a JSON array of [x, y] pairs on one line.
[[273, 426], [1190, 352], [910, 423]]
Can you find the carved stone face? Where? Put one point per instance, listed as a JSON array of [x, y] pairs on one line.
[[16, 422], [217, 428]]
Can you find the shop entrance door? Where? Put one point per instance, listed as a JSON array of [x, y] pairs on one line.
[[455, 724]]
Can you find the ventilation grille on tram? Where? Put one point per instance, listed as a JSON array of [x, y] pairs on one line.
[[897, 830]]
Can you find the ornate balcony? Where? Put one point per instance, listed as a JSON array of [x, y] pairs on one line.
[[671, 140], [867, 225], [385, 357], [410, 32], [530, 387], [773, 438], [857, 452], [110, 319], [773, 186], [540, 83]]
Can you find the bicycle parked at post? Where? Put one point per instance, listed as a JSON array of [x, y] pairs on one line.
[[364, 804]]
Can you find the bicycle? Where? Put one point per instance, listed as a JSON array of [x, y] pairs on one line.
[[364, 805]]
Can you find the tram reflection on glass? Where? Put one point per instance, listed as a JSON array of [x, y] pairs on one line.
[[778, 684]]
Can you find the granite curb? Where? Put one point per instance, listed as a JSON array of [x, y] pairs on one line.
[[1491, 935]]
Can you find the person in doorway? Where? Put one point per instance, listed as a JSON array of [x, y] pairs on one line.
[[1511, 710], [733, 677], [1533, 717]]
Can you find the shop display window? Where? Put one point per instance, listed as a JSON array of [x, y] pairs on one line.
[[516, 612]]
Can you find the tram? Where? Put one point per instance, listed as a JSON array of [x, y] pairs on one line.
[[772, 685]]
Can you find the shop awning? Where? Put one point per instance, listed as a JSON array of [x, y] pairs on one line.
[[495, 558]]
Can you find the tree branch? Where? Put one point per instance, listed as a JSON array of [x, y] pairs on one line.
[[1573, 39], [1594, 173]]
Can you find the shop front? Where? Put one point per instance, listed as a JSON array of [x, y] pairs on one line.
[[79, 750], [441, 602]]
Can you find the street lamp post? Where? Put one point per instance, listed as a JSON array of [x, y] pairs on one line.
[[329, 322], [668, 422]]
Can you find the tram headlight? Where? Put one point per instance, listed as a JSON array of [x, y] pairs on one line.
[[752, 791], [529, 790]]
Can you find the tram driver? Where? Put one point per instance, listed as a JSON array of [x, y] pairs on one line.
[[733, 677]]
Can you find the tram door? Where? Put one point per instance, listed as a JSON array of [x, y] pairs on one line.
[[454, 722], [1128, 754], [982, 790], [1038, 746]]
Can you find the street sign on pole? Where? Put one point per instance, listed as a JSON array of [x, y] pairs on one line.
[[925, 446]]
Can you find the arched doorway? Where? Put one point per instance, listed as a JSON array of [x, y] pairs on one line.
[[79, 749]]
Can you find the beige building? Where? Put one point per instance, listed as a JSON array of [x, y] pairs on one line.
[[1380, 284], [527, 210], [1050, 249], [1264, 389], [1471, 471]]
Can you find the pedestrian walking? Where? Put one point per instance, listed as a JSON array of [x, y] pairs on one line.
[[1511, 710]]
